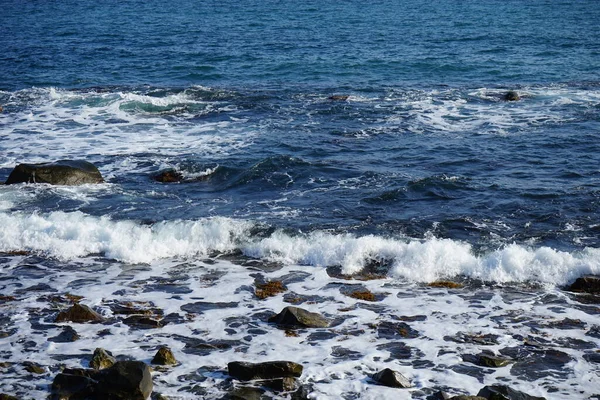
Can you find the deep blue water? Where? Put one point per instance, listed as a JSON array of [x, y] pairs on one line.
[[423, 146]]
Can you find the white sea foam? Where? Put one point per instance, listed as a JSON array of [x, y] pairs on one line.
[[71, 235]]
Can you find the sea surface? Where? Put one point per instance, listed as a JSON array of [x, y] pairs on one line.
[[317, 141]]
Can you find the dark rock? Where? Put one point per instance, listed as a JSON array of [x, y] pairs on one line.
[[391, 378], [464, 397], [302, 393], [142, 322], [286, 384], [63, 172], [126, 380], [168, 176], [164, 356], [501, 392], [4, 396], [586, 284], [246, 371], [67, 335], [295, 316], [102, 359], [245, 393], [79, 313], [338, 97], [487, 360], [395, 330], [34, 368], [73, 384], [512, 95]]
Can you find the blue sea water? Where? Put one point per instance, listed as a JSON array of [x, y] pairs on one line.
[[420, 164]]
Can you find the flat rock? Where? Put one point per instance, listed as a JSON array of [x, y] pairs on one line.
[[299, 317], [391, 378], [79, 313], [246, 371], [62, 172], [502, 392]]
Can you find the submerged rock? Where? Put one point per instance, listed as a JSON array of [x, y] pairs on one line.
[[338, 97], [299, 317], [246, 371], [391, 378], [164, 356], [512, 95], [79, 313], [102, 359], [63, 172], [125, 380], [502, 392], [168, 176]]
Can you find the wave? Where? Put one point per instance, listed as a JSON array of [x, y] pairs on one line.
[[73, 235]]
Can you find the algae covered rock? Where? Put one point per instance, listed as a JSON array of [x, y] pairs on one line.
[[63, 172]]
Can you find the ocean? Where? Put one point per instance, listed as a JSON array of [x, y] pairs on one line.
[[333, 146]]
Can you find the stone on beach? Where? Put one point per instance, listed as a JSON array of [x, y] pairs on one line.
[[62, 172], [246, 371], [79, 313], [299, 317], [391, 378], [102, 359], [164, 356]]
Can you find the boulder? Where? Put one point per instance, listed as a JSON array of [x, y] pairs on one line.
[[168, 176], [67, 335], [391, 378], [586, 284], [299, 317], [164, 356], [502, 392], [246, 371], [512, 95], [102, 359], [63, 172], [79, 313], [125, 380]]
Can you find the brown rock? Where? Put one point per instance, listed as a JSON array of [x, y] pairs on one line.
[[164, 356], [269, 289], [391, 378], [102, 359], [299, 317], [246, 371], [586, 284], [168, 176], [79, 313]]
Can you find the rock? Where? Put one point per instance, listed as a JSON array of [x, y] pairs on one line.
[[168, 176], [446, 284], [269, 289], [512, 95], [125, 380], [34, 368], [464, 397], [299, 317], [79, 313], [286, 384], [391, 378], [487, 360], [102, 359], [164, 356], [502, 392], [67, 335], [246, 371], [63, 172], [4, 396], [338, 97], [586, 284], [142, 322]]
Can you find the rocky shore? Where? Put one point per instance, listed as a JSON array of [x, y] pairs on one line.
[[230, 327]]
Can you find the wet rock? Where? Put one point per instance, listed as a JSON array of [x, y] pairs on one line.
[[586, 284], [338, 97], [487, 360], [299, 317], [246, 371], [4, 396], [102, 359], [129, 380], [67, 335], [373, 269], [462, 337], [512, 95], [63, 172], [502, 392], [446, 284], [396, 330], [391, 378], [164, 356], [285, 384], [143, 322], [79, 313], [125, 380], [34, 368], [245, 393], [594, 332], [168, 176], [465, 397], [201, 306], [269, 289]]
